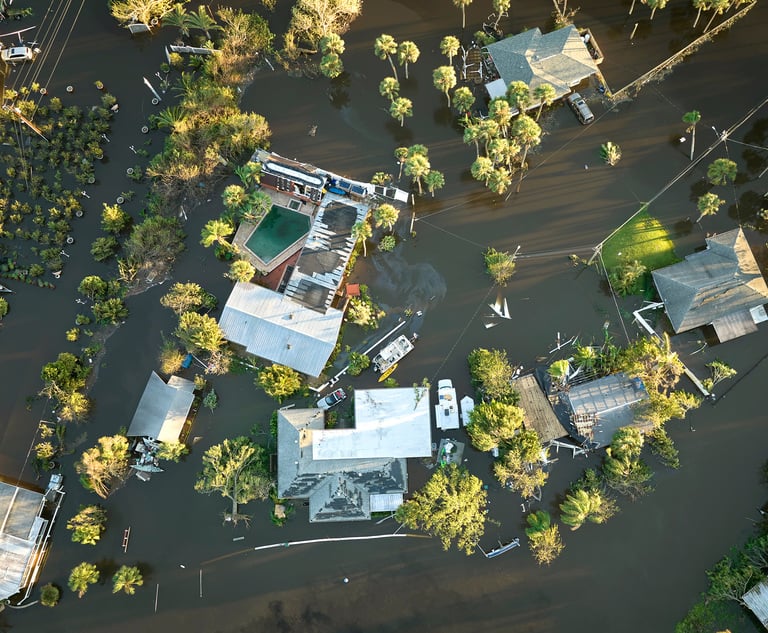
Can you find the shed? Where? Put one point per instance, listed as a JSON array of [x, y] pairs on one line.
[[163, 409], [539, 414], [757, 601]]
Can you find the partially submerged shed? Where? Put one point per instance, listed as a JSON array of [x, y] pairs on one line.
[[163, 409]]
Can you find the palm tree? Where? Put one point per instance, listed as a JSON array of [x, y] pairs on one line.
[[585, 356], [249, 174], [610, 153], [482, 169], [234, 197], [386, 215], [434, 180], [501, 9], [580, 506], [449, 46], [179, 17], [384, 47], [498, 151], [401, 108], [500, 111], [389, 88], [692, 118], [202, 21], [500, 180], [407, 53], [655, 4], [127, 579], [332, 43], [331, 65], [472, 135], [519, 95], [171, 117], [444, 79], [538, 523], [81, 577], [528, 133], [462, 4], [401, 153], [417, 166], [240, 270], [463, 99], [488, 130], [700, 5], [708, 204], [361, 231], [721, 171], [718, 7], [545, 94], [215, 232], [558, 372]]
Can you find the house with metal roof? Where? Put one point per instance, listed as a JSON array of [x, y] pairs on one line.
[[560, 58], [346, 474], [27, 519], [163, 409], [721, 286], [756, 600]]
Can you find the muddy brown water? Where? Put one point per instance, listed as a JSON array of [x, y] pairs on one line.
[[642, 570]]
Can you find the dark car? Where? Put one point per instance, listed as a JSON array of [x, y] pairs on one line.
[[332, 399]]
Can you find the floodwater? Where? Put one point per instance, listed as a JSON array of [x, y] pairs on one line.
[[642, 570]]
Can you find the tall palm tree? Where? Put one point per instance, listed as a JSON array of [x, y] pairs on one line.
[[444, 79], [501, 9], [692, 118], [449, 46], [81, 577], [417, 166], [401, 108], [407, 53], [488, 130], [462, 4], [545, 94], [718, 7], [500, 111], [178, 17], [331, 65], [519, 95], [700, 5], [384, 47], [361, 231], [201, 20], [401, 153], [721, 171], [389, 87], [482, 169], [498, 151], [434, 180], [332, 43], [709, 204], [171, 117], [386, 215], [528, 134], [472, 135], [463, 99], [655, 4], [127, 579], [500, 180], [215, 232]]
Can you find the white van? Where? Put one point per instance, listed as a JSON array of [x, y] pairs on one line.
[[580, 108]]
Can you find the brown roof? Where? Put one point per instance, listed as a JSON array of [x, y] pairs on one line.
[[539, 415]]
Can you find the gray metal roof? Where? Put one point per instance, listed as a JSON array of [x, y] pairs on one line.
[[21, 528], [273, 326], [559, 58], [757, 601], [709, 285], [163, 409]]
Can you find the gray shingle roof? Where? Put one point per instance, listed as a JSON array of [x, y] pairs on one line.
[[559, 58], [163, 409], [709, 285], [273, 326]]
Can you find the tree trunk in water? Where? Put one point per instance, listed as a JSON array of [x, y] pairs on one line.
[[463, 18], [406, 70], [522, 169], [632, 7], [696, 21], [693, 139], [712, 19], [653, 12], [392, 64]]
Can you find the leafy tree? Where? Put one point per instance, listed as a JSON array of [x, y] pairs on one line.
[[661, 407], [400, 108], [387, 243], [156, 239], [171, 451], [463, 99], [104, 465], [187, 297], [524, 477], [623, 469], [449, 46], [386, 215], [110, 311], [452, 506], [331, 65], [692, 117], [81, 577], [312, 20], [88, 524], [462, 4], [234, 198], [434, 180], [384, 47], [73, 407], [491, 374], [721, 171], [127, 579], [241, 270], [235, 469], [493, 423], [708, 204], [732, 577], [499, 265], [103, 248], [662, 445], [361, 231], [215, 232], [628, 277], [211, 400], [49, 595], [144, 11], [357, 363], [3, 307], [584, 356], [199, 332], [719, 371], [545, 94], [278, 381], [66, 372], [543, 537], [444, 79], [407, 53], [558, 371], [389, 88], [114, 219], [654, 362], [93, 287], [586, 505]]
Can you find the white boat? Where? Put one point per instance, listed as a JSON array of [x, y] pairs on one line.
[[447, 407], [392, 353], [501, 310], [467, 405], [497, 551]]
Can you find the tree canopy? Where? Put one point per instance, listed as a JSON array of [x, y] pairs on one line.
[[126, 579], [492, 424], [88, 524], [104, 465], [278, 381], [199, 332], [491, 374], [452, 506], [188, 297], [543, 537]]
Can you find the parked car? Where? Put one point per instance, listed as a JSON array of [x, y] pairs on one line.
[[580, 108], [332, 399], [19, 54]]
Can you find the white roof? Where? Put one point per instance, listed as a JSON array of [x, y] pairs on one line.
[[272, 326], [496, 88], [386, 502], [389, 423], [163, 409]]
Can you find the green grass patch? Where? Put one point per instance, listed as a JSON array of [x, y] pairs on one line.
[[643, 239]]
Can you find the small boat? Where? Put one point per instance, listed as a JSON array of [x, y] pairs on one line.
[[392, 353], [4, 289], [501, 549], [447, 407], [147, 468], [387, 373]]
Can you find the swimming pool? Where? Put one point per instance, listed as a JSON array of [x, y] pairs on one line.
[[280, 228]]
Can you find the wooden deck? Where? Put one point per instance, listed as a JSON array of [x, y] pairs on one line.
[[539, 415]]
